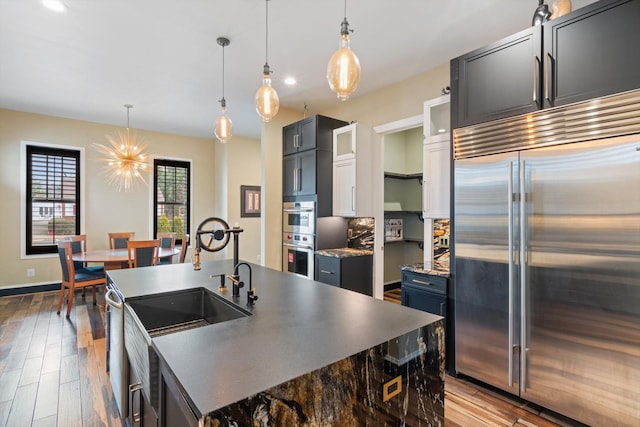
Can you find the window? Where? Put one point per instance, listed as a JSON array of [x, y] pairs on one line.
[[52, 197], [172, 195]]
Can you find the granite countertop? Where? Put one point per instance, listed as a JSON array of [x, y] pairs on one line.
[[344, 252], [297, 326], [419, 268]]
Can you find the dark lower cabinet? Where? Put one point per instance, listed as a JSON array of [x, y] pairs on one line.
[[429, 293], [140, 413], [354, 273], [174, 409]]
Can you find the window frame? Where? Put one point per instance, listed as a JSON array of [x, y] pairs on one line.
[[28, 251], [181, 163]]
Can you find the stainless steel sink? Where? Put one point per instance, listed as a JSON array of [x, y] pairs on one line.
[[171, 312], [154, 315]]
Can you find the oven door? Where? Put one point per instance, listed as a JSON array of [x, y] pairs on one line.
[[298, 259]]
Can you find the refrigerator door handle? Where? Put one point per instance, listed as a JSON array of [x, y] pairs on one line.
[[523, 279], [510, 198]]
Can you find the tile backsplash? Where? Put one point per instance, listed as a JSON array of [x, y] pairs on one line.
[[360, 233]]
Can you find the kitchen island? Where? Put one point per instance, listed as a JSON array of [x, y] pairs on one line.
[[308, 353]]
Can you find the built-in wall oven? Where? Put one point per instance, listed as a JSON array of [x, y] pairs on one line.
[[299, 217], [298, 254]]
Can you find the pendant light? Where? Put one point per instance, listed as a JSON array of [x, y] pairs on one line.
[[224, 127], [267, 101], [343, 71], [559, 8], [125, 159]]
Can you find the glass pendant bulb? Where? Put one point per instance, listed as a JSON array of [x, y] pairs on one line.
[[267, 101], [224, 126], [559, 8], [343, 71]]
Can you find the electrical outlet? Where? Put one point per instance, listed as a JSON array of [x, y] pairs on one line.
[[444, 241], [31, 272]]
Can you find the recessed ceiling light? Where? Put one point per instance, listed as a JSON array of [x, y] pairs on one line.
[[55, 5], [290, 81]]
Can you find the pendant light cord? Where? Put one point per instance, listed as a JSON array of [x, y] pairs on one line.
[[223, 71], [345, 9], [266, 35]]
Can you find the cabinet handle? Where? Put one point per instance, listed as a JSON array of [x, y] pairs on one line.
[[548, 88], [295, 179], [422, 282], [326, 272], [136, 417], [296, 141], [299, 187], [353, 198], [536, 74]]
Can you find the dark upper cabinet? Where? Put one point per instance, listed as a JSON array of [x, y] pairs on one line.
[[585, 54], [307, 134], [307, 166], [592, 52], [499, 80], [299, 173]]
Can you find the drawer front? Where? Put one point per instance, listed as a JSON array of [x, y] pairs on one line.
[[432, 283], [328, 270], [415, 296]]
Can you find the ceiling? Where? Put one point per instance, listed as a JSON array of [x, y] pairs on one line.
[[162, 56]]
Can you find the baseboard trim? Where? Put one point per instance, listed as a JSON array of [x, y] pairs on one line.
[[29, 289], [391, 286]]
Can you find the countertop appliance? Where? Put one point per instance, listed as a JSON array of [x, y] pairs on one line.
[[547, 250]]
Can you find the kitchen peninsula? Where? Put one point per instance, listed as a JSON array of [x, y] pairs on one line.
[[306, 354]]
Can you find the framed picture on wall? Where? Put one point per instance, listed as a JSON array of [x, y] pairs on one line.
[[249, 200]]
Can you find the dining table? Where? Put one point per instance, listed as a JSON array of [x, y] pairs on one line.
[[114, 259]]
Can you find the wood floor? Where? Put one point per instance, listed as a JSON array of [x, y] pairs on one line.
[[52, 373]]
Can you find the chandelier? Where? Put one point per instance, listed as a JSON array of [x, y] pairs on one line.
[[125, 159]]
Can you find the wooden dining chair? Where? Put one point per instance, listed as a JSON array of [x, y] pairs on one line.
[[79, 245], [119, 240], [143, 253], [183, 248], [72, 279], [167, 241]]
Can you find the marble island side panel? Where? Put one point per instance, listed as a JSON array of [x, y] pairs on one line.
[[399, 382]]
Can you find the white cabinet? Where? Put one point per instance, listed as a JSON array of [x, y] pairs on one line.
[[436, 184], [352, 170], [437, 158]]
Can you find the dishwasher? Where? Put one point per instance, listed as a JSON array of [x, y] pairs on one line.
[[116, 363]]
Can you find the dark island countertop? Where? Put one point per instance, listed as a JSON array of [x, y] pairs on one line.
[[297, 326]]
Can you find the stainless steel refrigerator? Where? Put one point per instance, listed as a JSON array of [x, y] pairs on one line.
[[547, 259]]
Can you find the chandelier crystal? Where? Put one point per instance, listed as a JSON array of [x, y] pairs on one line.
[[126, 161], [267, 101]]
